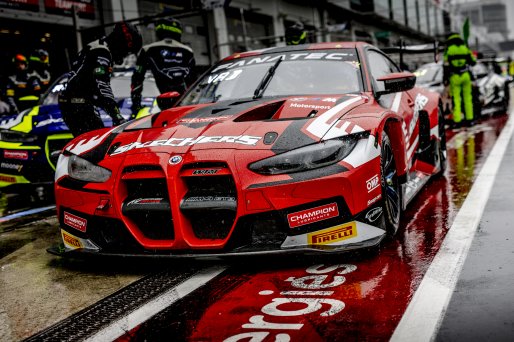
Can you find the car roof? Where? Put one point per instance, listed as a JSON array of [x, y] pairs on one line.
[[302, 47]]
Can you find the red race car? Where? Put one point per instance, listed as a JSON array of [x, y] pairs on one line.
[[311, 149]]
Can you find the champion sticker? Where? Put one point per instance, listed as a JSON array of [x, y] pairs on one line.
[[76, 222], [320, 213]]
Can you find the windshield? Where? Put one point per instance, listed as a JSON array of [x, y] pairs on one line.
[[120, 87], [429, 74], [299, 73]]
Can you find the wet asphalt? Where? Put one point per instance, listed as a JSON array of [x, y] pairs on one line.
[[482, 306]]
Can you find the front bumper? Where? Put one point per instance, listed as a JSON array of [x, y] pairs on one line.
[[152, 207]]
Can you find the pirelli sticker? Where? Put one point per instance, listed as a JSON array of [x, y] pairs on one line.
[[70, 240], [333, 234]]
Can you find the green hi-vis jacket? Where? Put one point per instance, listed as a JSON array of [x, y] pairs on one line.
[[458, 58]]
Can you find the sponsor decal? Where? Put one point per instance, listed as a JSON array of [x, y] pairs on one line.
[[333, 234], [177, 142], [322, 99], [374, 199], [100, 71], [7, 179], [317, 293], [74, 221], [206, 172], [145, 201], [11, 166], [309, 106], [48, 122], [210, 198], [175, 160], [419, 103], [22, 155], [413, 184], [70, 240], [224, 76], [372, 183], [320, 213], [203, 120], [334, 56], [373, 214]]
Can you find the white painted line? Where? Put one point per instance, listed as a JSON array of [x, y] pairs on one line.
[[156, 305], [25, 213], [424, 315]]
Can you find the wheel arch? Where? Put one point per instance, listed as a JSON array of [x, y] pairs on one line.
[[393, 127]]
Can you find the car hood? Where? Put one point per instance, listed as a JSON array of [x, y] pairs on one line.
[[278, 124]]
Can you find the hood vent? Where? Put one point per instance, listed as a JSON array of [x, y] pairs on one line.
[[264, 112]]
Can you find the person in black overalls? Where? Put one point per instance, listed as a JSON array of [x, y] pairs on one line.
[[39, 65], [22, 89], [296, 34], [89, 81], [170, 61]]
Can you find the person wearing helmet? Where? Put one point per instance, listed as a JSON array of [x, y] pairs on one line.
[[22, 89], [89, 81], [170, 61], [296, 34], [40, 67], [457, 61]]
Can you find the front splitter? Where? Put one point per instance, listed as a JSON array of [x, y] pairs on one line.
[[303, 250]]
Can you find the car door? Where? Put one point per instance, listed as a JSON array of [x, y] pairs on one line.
[[402, 103]]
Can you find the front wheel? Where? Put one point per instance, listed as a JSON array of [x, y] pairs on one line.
[[390, 187]]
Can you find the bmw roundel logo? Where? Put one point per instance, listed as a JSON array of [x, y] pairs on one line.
[[175, 160]]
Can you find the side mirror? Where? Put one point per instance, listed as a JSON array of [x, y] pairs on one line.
[[396, 82], [167, 100]]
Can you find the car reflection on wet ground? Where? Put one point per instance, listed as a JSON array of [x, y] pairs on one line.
[[366, 298]]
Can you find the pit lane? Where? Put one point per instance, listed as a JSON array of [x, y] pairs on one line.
[[357, 296]]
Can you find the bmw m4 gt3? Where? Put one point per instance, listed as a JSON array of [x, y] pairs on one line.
[[310, 149]]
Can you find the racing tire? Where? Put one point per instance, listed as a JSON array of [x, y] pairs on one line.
[[391, 189]]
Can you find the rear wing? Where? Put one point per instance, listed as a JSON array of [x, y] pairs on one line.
[[403, 50]]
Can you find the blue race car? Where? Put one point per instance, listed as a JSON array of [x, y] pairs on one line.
[[31, 141]]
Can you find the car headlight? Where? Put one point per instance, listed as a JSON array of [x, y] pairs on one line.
[[307, 158], [83, 170], [14, 136]]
